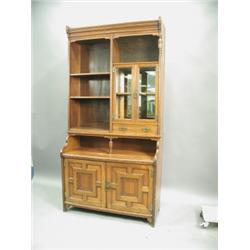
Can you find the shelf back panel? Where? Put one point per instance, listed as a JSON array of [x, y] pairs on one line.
[[136, 49], [89, 113], [90, 56]]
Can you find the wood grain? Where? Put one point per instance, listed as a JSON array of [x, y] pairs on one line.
[[109, 164]]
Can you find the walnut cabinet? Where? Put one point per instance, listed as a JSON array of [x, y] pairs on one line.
[[112, 158]]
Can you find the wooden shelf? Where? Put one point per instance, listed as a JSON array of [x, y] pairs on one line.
[[89, 97], [123, 93], [91, 74], [90, 131], [116, 155], [146, 93]]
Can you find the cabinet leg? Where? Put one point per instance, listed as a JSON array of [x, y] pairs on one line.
[[65, 207], [151, 221]]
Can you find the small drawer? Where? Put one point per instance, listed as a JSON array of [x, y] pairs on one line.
[[145, 129]]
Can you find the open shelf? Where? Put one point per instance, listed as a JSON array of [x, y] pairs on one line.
[[89, 113], [123, 149], [90, 86], [136, 49], [90, 57]]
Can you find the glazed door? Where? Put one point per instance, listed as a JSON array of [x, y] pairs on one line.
[[129, 187], [135, 98], [135, 92], [147, 88], [123, 90], [85, 182]]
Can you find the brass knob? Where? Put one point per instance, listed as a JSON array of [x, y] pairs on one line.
[[123, 129], [146, 129]]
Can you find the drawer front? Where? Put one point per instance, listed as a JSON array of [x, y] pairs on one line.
[[137, 129]]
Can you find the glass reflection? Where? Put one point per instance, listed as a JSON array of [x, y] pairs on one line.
[[147, 93], [123, 93]]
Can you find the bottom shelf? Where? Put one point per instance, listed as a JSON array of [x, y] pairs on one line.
[[116, 154], [92, 130]]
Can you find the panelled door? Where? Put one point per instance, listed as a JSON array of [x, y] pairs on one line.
[[84, 182], [129, 187], [119, 186]]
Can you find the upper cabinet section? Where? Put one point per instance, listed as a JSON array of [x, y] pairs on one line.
[[115, 77], [90, 56], [136, 49]]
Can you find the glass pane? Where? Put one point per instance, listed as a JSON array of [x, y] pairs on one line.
[[146, 106], [123, 93], [123, 107], [123, 80], [147, 80]]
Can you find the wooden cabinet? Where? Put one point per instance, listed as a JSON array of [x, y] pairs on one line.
[[117, 186], [112, 158]]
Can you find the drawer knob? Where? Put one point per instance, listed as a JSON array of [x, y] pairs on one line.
[[123, 129], [146, 129]]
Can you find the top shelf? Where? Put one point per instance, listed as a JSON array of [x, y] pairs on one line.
[[91, 74]]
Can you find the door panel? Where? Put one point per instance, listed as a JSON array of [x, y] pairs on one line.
[[85, 182], [123, 92], [129, 187], [147, 89]]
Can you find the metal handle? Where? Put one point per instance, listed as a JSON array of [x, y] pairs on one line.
[[107, 185], [123, 129], [146, 129]]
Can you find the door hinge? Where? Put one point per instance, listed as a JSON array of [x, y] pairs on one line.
[[114, 69], [152, 173]]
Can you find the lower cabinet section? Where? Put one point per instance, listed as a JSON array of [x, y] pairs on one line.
[[122, 188]]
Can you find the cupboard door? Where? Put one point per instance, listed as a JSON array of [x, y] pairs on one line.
[[123, 93], [85, 182], [129, 187], [147, 92]]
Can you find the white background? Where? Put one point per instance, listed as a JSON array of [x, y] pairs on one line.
[[234, 124], [190, 132]]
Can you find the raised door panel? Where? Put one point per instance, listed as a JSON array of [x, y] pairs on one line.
[[85, 182], [129, 187]]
